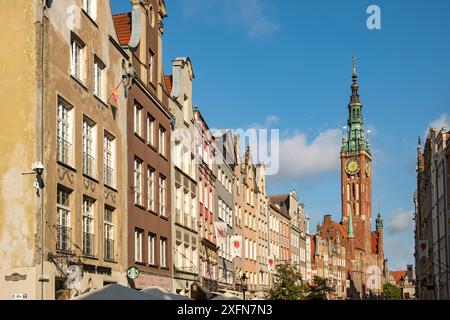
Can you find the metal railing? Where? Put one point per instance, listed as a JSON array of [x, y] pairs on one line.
[[88, 164], [63, 238], [63, 150], [109, 249], [88, 244]]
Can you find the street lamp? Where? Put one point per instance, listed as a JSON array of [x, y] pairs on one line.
[[244, 280]]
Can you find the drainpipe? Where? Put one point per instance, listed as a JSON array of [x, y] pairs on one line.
[[41, 145]]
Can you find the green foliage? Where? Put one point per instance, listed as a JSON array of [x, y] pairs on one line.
[[318, 289], [287, 284], [392, 292]]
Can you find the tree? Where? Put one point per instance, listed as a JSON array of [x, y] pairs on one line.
[[391, 292], [318, 289], [287, 284]]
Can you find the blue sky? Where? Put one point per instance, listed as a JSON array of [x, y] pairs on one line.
[[287, 65]]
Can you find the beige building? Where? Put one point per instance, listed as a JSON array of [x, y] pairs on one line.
[[58, 93], [185, 240]]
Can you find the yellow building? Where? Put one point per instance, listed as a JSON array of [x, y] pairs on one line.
[[60, 110]]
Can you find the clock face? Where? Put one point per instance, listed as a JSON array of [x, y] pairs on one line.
[[352, 166], [368, 169]]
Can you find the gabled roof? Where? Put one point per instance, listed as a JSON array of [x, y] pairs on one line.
[[397, 275], [168, 80], [122, 22]]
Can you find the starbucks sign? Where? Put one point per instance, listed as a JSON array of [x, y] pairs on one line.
[[133, 272]]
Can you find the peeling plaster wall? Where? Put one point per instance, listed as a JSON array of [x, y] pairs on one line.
[[18, 89]]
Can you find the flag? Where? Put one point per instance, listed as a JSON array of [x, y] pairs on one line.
[[423, 248], [270, 263], [236, 246], [115, 94], [221, 232]]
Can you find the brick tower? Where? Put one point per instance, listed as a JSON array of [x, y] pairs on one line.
[[356, 172]]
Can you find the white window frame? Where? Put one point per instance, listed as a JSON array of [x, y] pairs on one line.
[[162, 141], [109, 157], [137, 117], [88, 222], [138, 245], [77, 55], [64, 132], [150, 188], [162, 196], [90, 7], [99, 78], [163, 252], [89, 146], [152, 249], [137, 181], [150, 130], [108, 229]]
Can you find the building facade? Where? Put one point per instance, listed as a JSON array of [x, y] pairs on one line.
[[224, 206], [432, 215], [148, 142], [265, 263], [185, 240], [206, 155], [64, 235]]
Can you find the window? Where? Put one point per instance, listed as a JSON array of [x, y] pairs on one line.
[[88, 147], [138, 245], [109, 234], [90, 7], [63, 220], [64, 133], [150, 130], [151, 249], [150, 66], [88, 226], [162, 141], [109, 157], [150, 188], [163, 252], [162, 195], [77, 59], [138, 119], [137, 181], [99, 79]]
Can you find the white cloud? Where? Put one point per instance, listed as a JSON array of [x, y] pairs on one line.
[[301, 158], [269, 122], [250, 15], [400, 221], [442, 121]]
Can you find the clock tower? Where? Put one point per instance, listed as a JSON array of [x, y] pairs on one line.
[[356, 172]]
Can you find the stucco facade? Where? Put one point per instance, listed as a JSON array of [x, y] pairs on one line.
[[77, 133]]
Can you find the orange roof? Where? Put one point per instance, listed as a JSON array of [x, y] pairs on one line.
[[168, 80], [397, 275], [341, 230], [122, 22]]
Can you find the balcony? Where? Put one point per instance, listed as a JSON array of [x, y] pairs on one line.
[[88, 244], [109, 176], [88, 164], [63, 150], [109, 249], [63, 238]]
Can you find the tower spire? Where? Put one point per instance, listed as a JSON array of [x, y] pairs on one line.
[[379, 221], [355, 96]]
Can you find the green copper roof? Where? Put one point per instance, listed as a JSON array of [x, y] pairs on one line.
[[379, 220], [356, 138]]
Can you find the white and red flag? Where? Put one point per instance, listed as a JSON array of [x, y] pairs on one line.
[[236, 246]]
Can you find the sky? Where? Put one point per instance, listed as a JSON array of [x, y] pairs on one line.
[[287, 65]]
